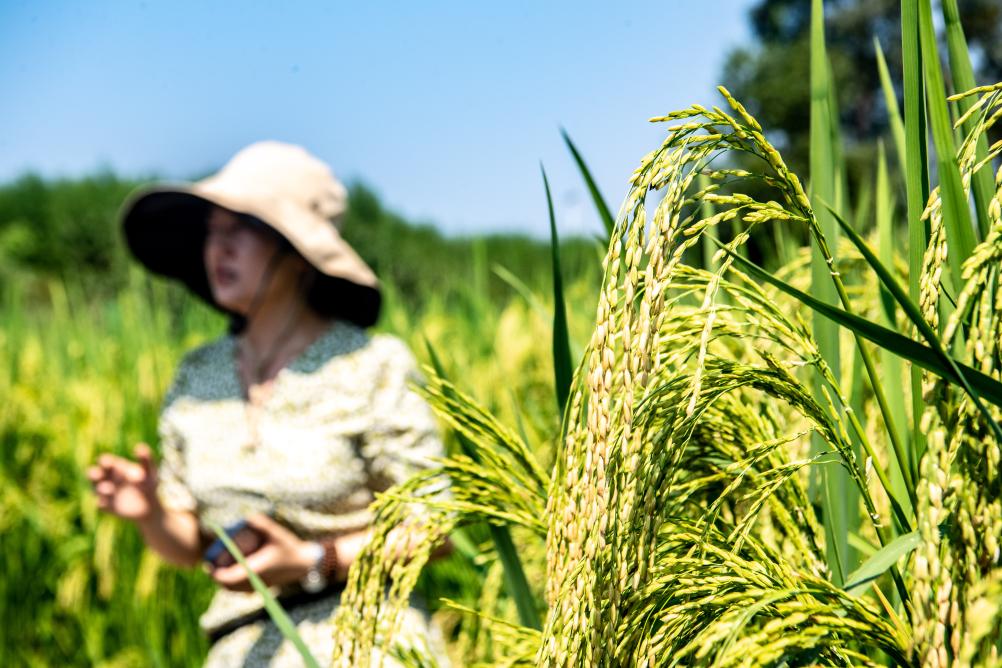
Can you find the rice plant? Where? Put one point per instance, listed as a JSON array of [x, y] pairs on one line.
[[733, 484]]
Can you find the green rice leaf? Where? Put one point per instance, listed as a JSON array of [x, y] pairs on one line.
[[596, 196], [514, 576], [824, 163], [461, 540], [890, 362], [514, 573], [921, 355], [271, 604], [915, 315], [860, 580], [436, 362], [916, 180], [956, 214], [962, 73], [562, 369], [519, 286], [863, 545], [897, 292], [891, 99]]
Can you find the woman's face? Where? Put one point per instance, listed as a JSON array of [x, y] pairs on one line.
[[237, 256]]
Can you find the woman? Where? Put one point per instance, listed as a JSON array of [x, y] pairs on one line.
[[284, 429]]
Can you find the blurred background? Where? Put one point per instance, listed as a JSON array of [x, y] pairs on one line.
[[437, 115]]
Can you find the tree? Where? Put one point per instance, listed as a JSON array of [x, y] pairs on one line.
[[771, 78]]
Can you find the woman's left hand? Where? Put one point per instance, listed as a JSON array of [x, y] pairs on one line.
[[282, 558]]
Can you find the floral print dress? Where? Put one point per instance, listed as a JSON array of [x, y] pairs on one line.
[[341, 423]]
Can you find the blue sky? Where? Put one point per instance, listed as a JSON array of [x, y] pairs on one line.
[[445, 108]]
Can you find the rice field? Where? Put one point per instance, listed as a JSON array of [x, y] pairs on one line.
[[79, 378], [689, 457]]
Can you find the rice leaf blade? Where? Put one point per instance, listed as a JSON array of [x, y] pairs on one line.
[[514, 576], [956, 214], [562, 369], [897, 292], [915, 315], [962, 73], [916, 182], [823, 166], [271, 604], [514, 572], [604, 213], [860, 580], [890, 362], [913, 351], [893, 112]]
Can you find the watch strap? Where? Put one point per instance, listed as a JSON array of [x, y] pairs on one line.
[[329, 565]]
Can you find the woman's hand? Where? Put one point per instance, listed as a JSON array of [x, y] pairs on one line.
[[282, 558], [129, 490], [125, 488]]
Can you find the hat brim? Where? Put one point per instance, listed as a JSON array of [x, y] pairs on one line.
[[165, 230]]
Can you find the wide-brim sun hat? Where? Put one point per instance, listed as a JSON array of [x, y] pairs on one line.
[[280, 184]]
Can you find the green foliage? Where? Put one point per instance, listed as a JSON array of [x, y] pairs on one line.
[[64, 227], [83, 371], [561, 345], [67, 229], [278, 615], [771, 75], [79, 377]]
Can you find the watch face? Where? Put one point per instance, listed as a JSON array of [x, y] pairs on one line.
[[313, 582], [314, 579]]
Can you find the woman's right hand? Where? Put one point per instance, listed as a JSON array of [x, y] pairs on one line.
[[125, 488]]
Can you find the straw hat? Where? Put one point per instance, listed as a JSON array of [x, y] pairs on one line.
[[282, 185]]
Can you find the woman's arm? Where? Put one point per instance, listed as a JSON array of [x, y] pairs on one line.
[[174, 535], [128, 490]]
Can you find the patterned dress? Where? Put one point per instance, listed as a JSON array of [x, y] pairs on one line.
[[341, 423]]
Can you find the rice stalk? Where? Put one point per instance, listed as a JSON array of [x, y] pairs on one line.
[[504, 484], [960, 490], [588, 568], [677, 517]]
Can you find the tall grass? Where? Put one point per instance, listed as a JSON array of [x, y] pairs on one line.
[[78, 379]]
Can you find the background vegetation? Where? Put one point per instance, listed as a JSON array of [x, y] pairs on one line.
[[762, 74]]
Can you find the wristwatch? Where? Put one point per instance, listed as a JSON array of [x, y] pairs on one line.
[[315, 580]]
